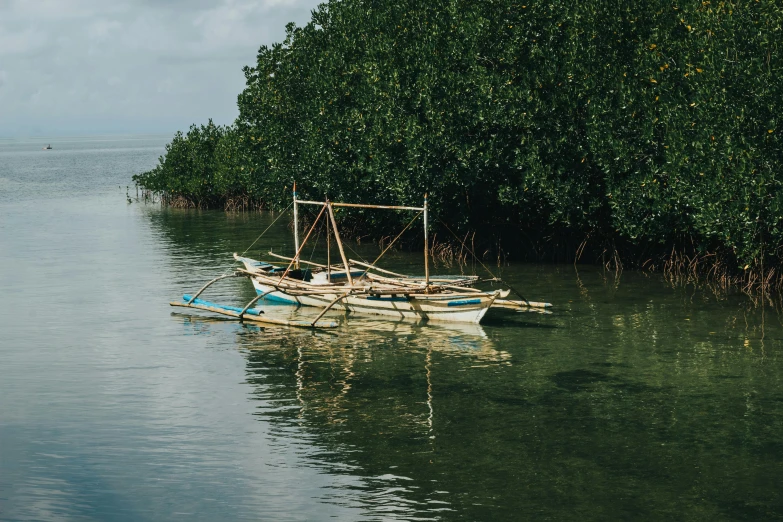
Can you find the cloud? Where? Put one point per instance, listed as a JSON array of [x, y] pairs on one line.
[[21, 43], [130, 65], [103, 29]]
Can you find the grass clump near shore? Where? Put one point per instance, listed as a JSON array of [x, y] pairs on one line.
[[639, 132]]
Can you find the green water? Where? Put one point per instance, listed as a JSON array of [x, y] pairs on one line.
[[632, 400]]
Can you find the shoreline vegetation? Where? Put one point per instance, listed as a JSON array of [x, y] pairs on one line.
[[641, 136]]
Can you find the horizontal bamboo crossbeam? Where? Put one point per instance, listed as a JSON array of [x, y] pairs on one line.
[[373, 267], [414, 279], [438, 287], [462, 288], [358, 205], [395, 282], [386, 286], [286, 258], [390, 288]]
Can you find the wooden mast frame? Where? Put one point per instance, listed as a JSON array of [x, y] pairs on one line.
[[331, 204]]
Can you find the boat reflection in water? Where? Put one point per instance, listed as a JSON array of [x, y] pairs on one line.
[[364, 399]]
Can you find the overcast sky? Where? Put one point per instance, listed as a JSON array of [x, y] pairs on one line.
[[75, 67]]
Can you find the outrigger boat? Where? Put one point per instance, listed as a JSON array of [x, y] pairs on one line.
[[355, 286], [369, 293]]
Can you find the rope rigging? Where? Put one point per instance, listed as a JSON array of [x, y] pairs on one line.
[[393, 241], [494, 278], [267, 228]]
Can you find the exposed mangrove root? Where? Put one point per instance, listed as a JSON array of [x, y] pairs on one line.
[[449, 253], [240, 203], [761, 284]]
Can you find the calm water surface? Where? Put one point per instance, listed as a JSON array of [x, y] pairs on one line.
[[632, 400]]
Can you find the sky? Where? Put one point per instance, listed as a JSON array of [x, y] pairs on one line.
[[87, 67]]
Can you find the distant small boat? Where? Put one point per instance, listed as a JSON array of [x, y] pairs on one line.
[[48, 147]]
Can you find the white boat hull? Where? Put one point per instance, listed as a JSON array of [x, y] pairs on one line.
[[462, 309]]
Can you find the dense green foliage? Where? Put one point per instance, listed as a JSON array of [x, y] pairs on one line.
[[643, 125]]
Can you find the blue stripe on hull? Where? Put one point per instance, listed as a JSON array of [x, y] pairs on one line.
[[464, 302]]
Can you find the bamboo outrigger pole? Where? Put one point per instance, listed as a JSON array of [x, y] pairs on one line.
[[339, 243], [328, 254], [426, 246], [296, 229], [201, 290]]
